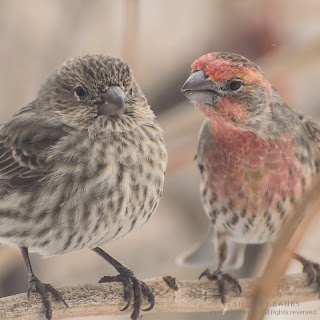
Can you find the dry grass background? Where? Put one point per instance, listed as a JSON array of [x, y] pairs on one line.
[[159, 39]]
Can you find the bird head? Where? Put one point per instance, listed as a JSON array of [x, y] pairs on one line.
[[90, 87], [230, 88]]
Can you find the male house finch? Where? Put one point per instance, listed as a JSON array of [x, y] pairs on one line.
[[256, 156], [81, 165]]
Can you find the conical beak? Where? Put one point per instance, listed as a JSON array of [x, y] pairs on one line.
[[113, 101], [199, 88]]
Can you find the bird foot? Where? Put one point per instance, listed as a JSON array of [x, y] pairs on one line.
[[222, 279], [133, 288], [35, 285], [312, 269]]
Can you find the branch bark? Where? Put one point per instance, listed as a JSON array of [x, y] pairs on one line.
[[191, 296]]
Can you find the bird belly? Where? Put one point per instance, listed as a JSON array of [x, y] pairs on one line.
[[237, 220], [87, 204], [249, 187], [121, 200]]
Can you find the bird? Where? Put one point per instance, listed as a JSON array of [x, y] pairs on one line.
[[256, 156], [81, 165]]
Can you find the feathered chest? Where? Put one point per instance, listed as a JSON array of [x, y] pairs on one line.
[[109, 170], [236, 162], [107, 181], [107, 161]]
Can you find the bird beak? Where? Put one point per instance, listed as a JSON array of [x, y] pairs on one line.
[[113, 101], [200, 89]]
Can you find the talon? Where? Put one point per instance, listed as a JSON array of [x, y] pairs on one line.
[[126, 306], [149, 308], [310, 268], [128, 293], [205, 273], [221, 279], [133, 288], [151, 301], [56, 294], [239, 289], [147, 292], [35, 285]]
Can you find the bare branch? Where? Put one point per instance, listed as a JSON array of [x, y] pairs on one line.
[[191, 296]]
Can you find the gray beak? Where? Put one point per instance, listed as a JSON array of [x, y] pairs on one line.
[[200, 89], [113, 101]]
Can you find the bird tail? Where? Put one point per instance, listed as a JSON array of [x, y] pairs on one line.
[[206, 254]]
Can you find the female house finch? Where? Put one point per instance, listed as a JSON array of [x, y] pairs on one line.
[[256, 156], [81, 165]]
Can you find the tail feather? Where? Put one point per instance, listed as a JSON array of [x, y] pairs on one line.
[[206, 254], [235, 255], [203, 254]]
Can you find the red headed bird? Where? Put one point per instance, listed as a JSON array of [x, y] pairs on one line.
[[256, 157]]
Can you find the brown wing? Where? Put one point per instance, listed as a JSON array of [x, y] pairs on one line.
[[312, 132], [25, 141]]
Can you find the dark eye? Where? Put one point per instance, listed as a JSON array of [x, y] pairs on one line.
[[80, 92], [235, 85]]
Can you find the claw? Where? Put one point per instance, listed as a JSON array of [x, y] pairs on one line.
[[126, 306], [128, 293], [147, 292], [35, 285], [310, 268], [133, 288], [56, 294], [233, 281], [221, 279], [205, 273], [138, 299], [239, 289], [310, 271], [150, 307]]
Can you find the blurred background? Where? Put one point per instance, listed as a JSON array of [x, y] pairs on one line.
[[159, 39]]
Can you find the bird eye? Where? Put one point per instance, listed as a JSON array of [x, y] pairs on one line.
[[80, 92], [235, 85]]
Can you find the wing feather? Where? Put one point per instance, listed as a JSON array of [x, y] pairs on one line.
[[311, 131], [25, 141]]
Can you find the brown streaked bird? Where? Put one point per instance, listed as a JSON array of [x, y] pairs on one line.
[[81, 165], [256, 156]]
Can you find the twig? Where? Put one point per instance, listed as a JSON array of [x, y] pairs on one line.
[[131, 35], [191, 296]]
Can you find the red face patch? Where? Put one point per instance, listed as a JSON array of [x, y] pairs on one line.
[[231, 111], [221, 70]]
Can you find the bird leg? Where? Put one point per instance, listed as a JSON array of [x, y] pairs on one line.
[[312, 269], [133, 288], [35, 285], [220, 277]]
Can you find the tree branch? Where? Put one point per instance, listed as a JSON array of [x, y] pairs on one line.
[[191, 296]]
